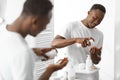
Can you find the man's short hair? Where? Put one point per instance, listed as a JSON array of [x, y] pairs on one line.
[[98, 6], [37, 7]]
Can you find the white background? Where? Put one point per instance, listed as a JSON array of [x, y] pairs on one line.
[[66, 11]]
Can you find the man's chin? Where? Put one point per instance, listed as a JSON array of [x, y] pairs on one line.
[[91, 27], [33, 35]]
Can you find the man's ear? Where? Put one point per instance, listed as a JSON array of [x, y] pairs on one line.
[[34, 20], [88, 12]]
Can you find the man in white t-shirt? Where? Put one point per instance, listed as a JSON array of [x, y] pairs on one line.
[[80, 32], [16, 58]]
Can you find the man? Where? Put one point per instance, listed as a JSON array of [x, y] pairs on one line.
[[16, 58], [80, 32]]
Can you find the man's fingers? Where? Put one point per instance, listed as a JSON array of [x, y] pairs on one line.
[[64, 62], [92, 50], [85, 42], [100, 48], [91, 38], [88, 42], [55, 50], [45, 57], [60, 61]]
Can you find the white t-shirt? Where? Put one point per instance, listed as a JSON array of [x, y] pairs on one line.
[[78, 30], [16, 58]]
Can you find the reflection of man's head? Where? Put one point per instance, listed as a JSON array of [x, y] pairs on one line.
[[95, 15], [40, 12]]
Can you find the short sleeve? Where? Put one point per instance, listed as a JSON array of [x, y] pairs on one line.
[[66, 32]]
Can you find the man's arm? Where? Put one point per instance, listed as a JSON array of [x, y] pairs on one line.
[[52, 68], [60, 41], [42, 51]]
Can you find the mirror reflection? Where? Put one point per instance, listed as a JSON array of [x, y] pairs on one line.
[[68, 17]]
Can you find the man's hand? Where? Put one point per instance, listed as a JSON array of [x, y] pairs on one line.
[[58, 66], [53, 67], [95, 54], [84, 41], [43, 51]]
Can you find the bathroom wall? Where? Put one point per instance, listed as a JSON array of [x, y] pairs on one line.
[[2, 10]]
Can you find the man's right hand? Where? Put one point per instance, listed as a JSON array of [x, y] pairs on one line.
[[58, 66], [84, 41], [53, 67]]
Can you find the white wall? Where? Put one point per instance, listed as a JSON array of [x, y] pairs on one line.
[[2, 8], [66, 11], [13, 10]]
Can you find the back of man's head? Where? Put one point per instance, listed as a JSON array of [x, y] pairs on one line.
[[37, 7], [98, 6]]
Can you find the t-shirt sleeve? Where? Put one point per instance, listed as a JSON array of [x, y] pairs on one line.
[[66, 32], [22, 66]]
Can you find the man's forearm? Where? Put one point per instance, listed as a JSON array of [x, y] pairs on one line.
[[52, 68], [41, 51], [59, 43], [46, 75]]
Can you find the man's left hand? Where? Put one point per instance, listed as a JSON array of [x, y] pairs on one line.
[[95, 54]]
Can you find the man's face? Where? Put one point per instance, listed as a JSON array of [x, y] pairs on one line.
[[40, 25], [94, 18]]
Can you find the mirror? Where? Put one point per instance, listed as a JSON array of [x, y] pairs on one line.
[[67, 11]]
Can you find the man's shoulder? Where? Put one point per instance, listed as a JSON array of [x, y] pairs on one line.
[[13, 41], [74, 24]]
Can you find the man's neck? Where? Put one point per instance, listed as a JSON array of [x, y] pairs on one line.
[[17, 27], [84, 21]]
